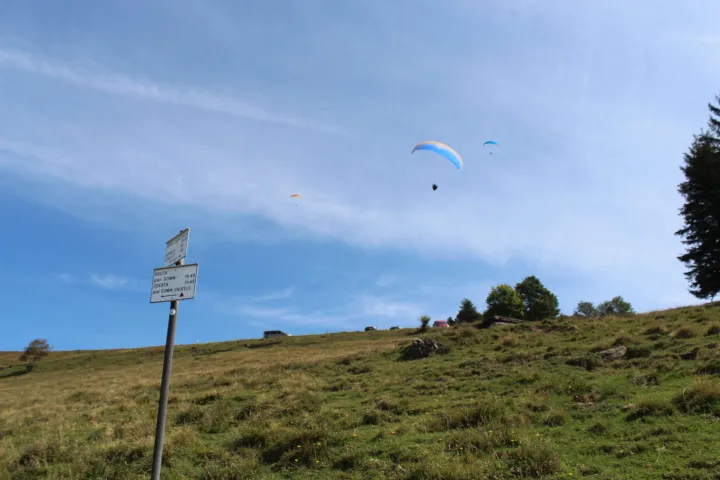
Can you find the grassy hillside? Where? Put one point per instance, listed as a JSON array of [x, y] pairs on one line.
[[506, 402]]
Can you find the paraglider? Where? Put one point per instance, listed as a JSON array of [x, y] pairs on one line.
[[296, 195], [442, 149], [490, 142]]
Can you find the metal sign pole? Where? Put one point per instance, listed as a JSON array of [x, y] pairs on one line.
[[165, 388]]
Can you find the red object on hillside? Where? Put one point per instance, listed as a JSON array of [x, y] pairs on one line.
[[440, 323]]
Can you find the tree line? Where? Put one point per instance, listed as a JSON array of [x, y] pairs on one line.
[[530, 300]]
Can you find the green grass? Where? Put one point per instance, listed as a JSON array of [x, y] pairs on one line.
[[527, 401]]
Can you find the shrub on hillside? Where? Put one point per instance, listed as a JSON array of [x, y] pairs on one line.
[[683, 333], [35, 350], [649, 407], [616, 307], [504, 300], [713, 330], [468, 312], [424, 322], [586, 309], [702, 397], [532, 459], [539, 303]]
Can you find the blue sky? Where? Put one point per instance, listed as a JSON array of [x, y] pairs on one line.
[[123, 122]]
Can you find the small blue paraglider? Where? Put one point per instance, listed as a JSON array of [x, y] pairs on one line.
[[490, 142]]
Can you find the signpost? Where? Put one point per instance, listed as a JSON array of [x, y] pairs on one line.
[[174, 283], [176, 247], [170, 284]]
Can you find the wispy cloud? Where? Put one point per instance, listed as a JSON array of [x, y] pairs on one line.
[[294, 316], [550, 197], [346, 316], [278, 295], [386, 307], [115, 282], [126, 86], [65, 277]]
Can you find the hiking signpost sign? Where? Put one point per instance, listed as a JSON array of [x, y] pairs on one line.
[[173, 282]]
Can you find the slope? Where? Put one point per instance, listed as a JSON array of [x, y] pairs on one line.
[[527, 401]]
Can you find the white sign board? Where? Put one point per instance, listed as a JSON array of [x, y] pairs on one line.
[[177, 247], [174, 283]]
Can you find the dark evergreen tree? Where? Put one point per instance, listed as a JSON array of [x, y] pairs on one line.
[[701, 211], [540, 303], [468, 312]]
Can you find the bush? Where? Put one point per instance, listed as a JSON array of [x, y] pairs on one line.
[[617, 306], [702, 397], [396, 407], [539, 302], [424, 322], [713, 330], [554, 418], [505, 301], [532, 459], [656, 330], [586, 309], [712, 367], [468, 312], [35, 350], [477, 441], [683, 333], [637, 352], [649, 408]]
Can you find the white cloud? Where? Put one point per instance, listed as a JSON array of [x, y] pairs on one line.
[[385, 307], [337, 207], [346, 317], [115, 282], [125, 86], [291, 316], [278, 295]]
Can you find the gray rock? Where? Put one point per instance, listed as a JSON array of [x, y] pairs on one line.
[[421, 348], [614, 353]]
